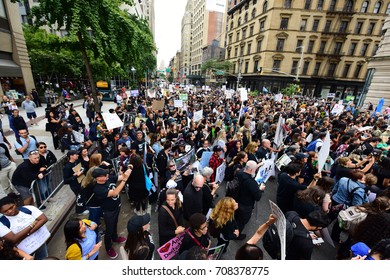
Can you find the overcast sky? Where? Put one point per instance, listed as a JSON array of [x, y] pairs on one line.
[[168, 16]]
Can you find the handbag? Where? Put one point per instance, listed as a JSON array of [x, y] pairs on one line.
[[148, 182]]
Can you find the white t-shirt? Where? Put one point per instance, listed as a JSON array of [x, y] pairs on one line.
[[4, 230], [23, 220]]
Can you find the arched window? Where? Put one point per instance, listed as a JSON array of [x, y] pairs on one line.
[[388, 9], [377, 7], [246, 17], [265, 6], [231, 25], [254, 2], [254, 13], [239, 22], [349, 6], [364, 7]]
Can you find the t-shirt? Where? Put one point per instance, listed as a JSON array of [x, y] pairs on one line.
[[107, 203], [138, 146], [4, 230], [22, 220]]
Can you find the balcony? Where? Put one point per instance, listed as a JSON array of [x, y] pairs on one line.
[[346, 12], [331, 55], [341, 32]]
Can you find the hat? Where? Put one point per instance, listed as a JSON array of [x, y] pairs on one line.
[[98, 172], [300, 156], [217, 148], [72, 152], [69, 125], [137, 222], [361, 249]]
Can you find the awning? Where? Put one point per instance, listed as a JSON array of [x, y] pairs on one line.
[[8, 68]]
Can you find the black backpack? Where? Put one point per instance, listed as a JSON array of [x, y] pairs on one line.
[[271, 240], [20, 143]]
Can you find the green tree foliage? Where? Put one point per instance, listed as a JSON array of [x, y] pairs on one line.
[[216, 66], [103, 31]]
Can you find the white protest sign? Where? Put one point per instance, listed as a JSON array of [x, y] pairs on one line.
[[279, 133], [198, 115], [228, 94], [278, 97], [34, 241], [178, 103], [220, 173], [309, 138], [324, 152], [282, 161], [79, 137], [243, 94], [281, 227], [112, 120], [265, 171], [204, 161], [151, 93]]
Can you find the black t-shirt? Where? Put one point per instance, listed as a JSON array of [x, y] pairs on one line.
[[367, 148], [381, 173], [287, 189], [139, 147], [107, 203], [300, 247], [263, 153]]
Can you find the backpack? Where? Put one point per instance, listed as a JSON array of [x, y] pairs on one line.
[[4, 220], [20, 143], [312, 146], [229, 173], [233, 188], [213, 230], [271, 240], [92, 135], [350, 217]]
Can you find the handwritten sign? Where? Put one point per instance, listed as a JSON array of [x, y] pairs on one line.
[[178, 103], [171, 248], [198, 115], [158, 105], [32, 242], [112, 120], [220, 173]]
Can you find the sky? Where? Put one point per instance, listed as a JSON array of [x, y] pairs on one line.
[[168, 16]]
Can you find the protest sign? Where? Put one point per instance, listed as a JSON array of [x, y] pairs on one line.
[[281, 227], [112, 120], [158, 105], [178, 103], [198, 115], [171, 248], [35, 240], [220, 173]]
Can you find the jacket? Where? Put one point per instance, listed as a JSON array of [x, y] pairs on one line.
[[249, 190], [349, 192]]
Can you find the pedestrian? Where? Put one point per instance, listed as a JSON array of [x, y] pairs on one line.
[[215, 161], [18, 123], [36, 98], [30, 107], [193, 197], [7, 169]]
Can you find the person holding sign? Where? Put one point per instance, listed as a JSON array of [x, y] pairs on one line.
[[28, 216]]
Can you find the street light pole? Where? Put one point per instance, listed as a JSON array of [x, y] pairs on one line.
[[133, 70], [239, 72], [300, 62]]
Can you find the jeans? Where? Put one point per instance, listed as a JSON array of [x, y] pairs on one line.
[[95, 213], [41, 253], [6, 176], [111, 221]]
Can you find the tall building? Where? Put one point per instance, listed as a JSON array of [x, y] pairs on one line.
[[378, 72], [148, 12], [207, 26], [15, 68], [323, 43], [186, 43]]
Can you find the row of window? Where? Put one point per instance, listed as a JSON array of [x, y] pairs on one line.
[[316, 70], [323, 48]]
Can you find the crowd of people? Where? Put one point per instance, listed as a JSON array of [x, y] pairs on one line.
[[139, 162]]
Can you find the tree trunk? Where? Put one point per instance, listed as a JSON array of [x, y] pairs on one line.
[[89, 71]]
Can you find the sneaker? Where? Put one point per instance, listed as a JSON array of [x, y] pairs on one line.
[[112, 254], [120, 239], [86, 212]]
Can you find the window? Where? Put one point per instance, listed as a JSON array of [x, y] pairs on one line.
[[265, 6], [256, 65], [337, 48], [332, 69], [364, 7], [24, 18], [258, 49], [242, 51], [243, 34], [332, 5], [310, 46], [246, 66], [230, 39], [276, 65], [357, 71], [320, 5], [287, 4], [246, 17], [254, 13], [343, 27], [284, 23], [375, 49], [307, 4], [228, 54], [371, 28], [328, 23], [349, 6], [239, 22], [249, 49], [294, 67], [2, 10], [236, 52], [262, 24], [231, 25], [280, 45], [315, 24], [299, 44], [346, 70], [377, 7], [358, 27], [251, 30], [388, 9], [322, 47], [238, 36], [305, 67], [303, 25], [352, 49], [317, 68], [363, 51]]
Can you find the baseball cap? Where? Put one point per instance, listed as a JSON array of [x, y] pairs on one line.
[[300, 156], [98, 172], [361, 249], [217, 148], [72, 152], [137, 222]]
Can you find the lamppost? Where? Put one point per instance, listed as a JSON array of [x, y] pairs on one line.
[[300, 61], [239, 72], [133, 70]]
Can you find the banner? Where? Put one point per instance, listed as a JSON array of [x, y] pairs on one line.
[[171, 248], [198, 115], [185, 160], [281, 226], [204, 161], [112, 120], [220, 173], [324, 152], [183, 96]]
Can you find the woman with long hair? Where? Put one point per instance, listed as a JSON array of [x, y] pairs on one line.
[[309, 200], [223, 218], [170, 217], [80, 239], [106, 149], [251, 149], [138, 245]]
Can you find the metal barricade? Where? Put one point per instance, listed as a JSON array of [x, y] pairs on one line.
[[45, 188]]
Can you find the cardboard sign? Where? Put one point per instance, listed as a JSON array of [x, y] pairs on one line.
[[220, 173], [158, 105]]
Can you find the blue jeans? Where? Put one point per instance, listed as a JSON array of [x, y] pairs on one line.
[[41, 253], [95, 213]]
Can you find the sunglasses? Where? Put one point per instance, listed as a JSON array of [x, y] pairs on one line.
[[42, 147], [33, 152]]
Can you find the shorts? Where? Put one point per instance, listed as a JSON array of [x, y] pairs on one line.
[[24, 192], [32, 115]]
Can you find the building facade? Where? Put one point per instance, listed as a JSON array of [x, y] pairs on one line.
[[186, 43], [325, 44], [15, 68]]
